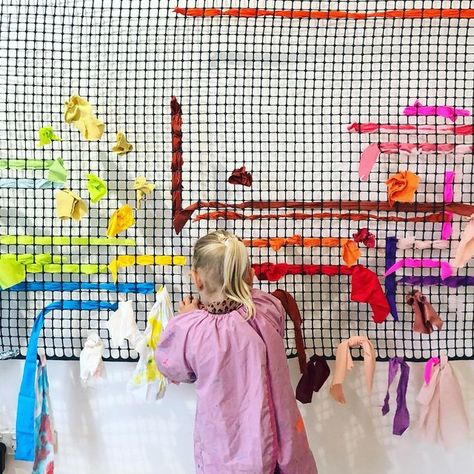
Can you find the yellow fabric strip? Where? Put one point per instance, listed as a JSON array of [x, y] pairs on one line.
[[86, 269], [47, 263], [124, 261], [38, 240], [41, 258]]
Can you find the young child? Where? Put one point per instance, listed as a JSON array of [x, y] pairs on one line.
[[230, 342]]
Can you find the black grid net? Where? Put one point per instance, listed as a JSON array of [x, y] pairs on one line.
[[271, 93]]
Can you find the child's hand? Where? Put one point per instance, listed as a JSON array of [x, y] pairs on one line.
[[188, 304]]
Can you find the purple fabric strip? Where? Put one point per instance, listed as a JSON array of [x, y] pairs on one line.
[[451, 282], [401, 420], [390, 282]]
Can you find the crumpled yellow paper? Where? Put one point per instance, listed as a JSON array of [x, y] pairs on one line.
[[143, 188], [46, 135], [120, 220], [70, 205], [97, 187], [12, 272], [79, 112], [122, 146]]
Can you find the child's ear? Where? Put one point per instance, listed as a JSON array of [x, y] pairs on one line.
[[250, 276]]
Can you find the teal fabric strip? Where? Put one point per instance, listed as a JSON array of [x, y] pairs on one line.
[[145, 288], [23, 183], [25, 416]]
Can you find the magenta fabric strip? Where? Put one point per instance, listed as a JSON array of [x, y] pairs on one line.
[[445, 111], [446, 270], [447, 228], [429, 368]]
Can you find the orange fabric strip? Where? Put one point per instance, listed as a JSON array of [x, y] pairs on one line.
[[330, 14], [276, 243]]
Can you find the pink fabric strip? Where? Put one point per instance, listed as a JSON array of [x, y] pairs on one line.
[[403, 128], [447, 228], [445, 111], [371, 153], [429, 367], [425, 148], [446, 270], [411, 242]]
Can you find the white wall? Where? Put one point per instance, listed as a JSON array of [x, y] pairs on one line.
[[104, 430]]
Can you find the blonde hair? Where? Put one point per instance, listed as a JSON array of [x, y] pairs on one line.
[[225, 262]]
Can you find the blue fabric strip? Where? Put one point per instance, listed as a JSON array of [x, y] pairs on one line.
[[390, 281], [25, 183], [25, 415], [141, 288]]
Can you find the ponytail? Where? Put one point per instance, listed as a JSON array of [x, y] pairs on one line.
[[225, 261], [236, 267]]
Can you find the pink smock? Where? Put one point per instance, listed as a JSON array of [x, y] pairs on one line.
[[247, 420]]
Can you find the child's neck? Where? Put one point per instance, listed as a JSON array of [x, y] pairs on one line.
[[207, 298]]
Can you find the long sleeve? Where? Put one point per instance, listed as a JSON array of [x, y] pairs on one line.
[[171, 353]]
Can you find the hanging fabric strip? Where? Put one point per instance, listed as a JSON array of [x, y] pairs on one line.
[[411, 242], [24, 183], [390, 282], [344, 363], [447, 229], [465, 250], [443, 415], [450, 282], [401, 420], [445, 111], [446, 270], [25, 426], [123, 261], [26, 164], [371, 153], [365, 283], [145, 288], [312, 379], [426, 318], [292, 310], [330, 14], [418, 129], [50, 240], [429, 368]]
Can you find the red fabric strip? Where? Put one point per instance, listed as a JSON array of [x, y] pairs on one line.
[[177, 156], [457, 208], [365, 283], [230, 215], [292, 310], [325, 15]]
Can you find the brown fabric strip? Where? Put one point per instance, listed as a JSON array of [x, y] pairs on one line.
[[292, 310]]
